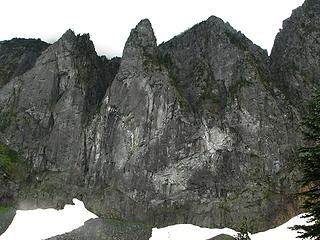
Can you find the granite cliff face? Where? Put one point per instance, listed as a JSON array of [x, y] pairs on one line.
[[295, 55], [201, 129]]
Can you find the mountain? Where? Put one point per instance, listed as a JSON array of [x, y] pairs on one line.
[[295, 54], [201, 129]]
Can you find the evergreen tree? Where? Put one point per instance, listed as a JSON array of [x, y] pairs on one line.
[[309, 159], [243, 234]]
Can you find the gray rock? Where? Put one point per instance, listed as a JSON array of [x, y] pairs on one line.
[[103, 229], [295, 55], [200, 129], [6, 216], [17, 56], [222, 237]]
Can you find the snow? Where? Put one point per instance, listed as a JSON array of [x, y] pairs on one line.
[[188, 232], [191, 232], [283, 231], [45, 223]]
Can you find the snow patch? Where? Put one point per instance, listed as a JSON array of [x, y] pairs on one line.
[[283, 231], [191, 232], [45, 223], [188, 232]]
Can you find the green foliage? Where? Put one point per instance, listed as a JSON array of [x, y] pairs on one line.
[[243, 234], [6, 119], [4, 209], [7, 214], [7, 157], [11, 163], [83, 58], [162, 61], [237, 39], [309, 158]]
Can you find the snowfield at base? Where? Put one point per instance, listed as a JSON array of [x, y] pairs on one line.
[[188, 232], [191, 232], [45, 223], [283, 231]]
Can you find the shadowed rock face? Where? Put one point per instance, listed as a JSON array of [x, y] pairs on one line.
[[200, 129], [222, 237], [17, 56]]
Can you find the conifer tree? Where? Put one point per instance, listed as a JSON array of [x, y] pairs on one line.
[[309, 159], [243, 234]]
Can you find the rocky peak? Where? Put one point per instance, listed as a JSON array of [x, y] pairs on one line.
[[295, 55], [208, 63], [17, 56], [141, 42], [66, 41], [188, 132], [69, 35], [218, 22]]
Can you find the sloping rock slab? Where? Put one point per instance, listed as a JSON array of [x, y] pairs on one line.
[[106, 229]]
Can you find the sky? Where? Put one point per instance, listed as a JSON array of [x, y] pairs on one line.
[[109, 22]]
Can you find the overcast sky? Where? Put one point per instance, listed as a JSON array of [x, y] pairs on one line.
[[109, 22]]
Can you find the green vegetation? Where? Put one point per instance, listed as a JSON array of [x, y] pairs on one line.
[[205, 82], [11, 163], [7, 157], [237, 39], [6, 118], [237, 85], [243, 234], [309, 159], [7, 214], [82, 53], [163, 61], [4, 209], [261, 73]]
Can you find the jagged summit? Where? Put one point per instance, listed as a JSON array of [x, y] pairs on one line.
[[196, 130], [144, 26], [141, 40], [295, 54], [68, 34], [68, 38], [219, 22]]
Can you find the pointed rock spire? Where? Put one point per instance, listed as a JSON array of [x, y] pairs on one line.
[[68, 35], [140, 41], [67, 39]]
